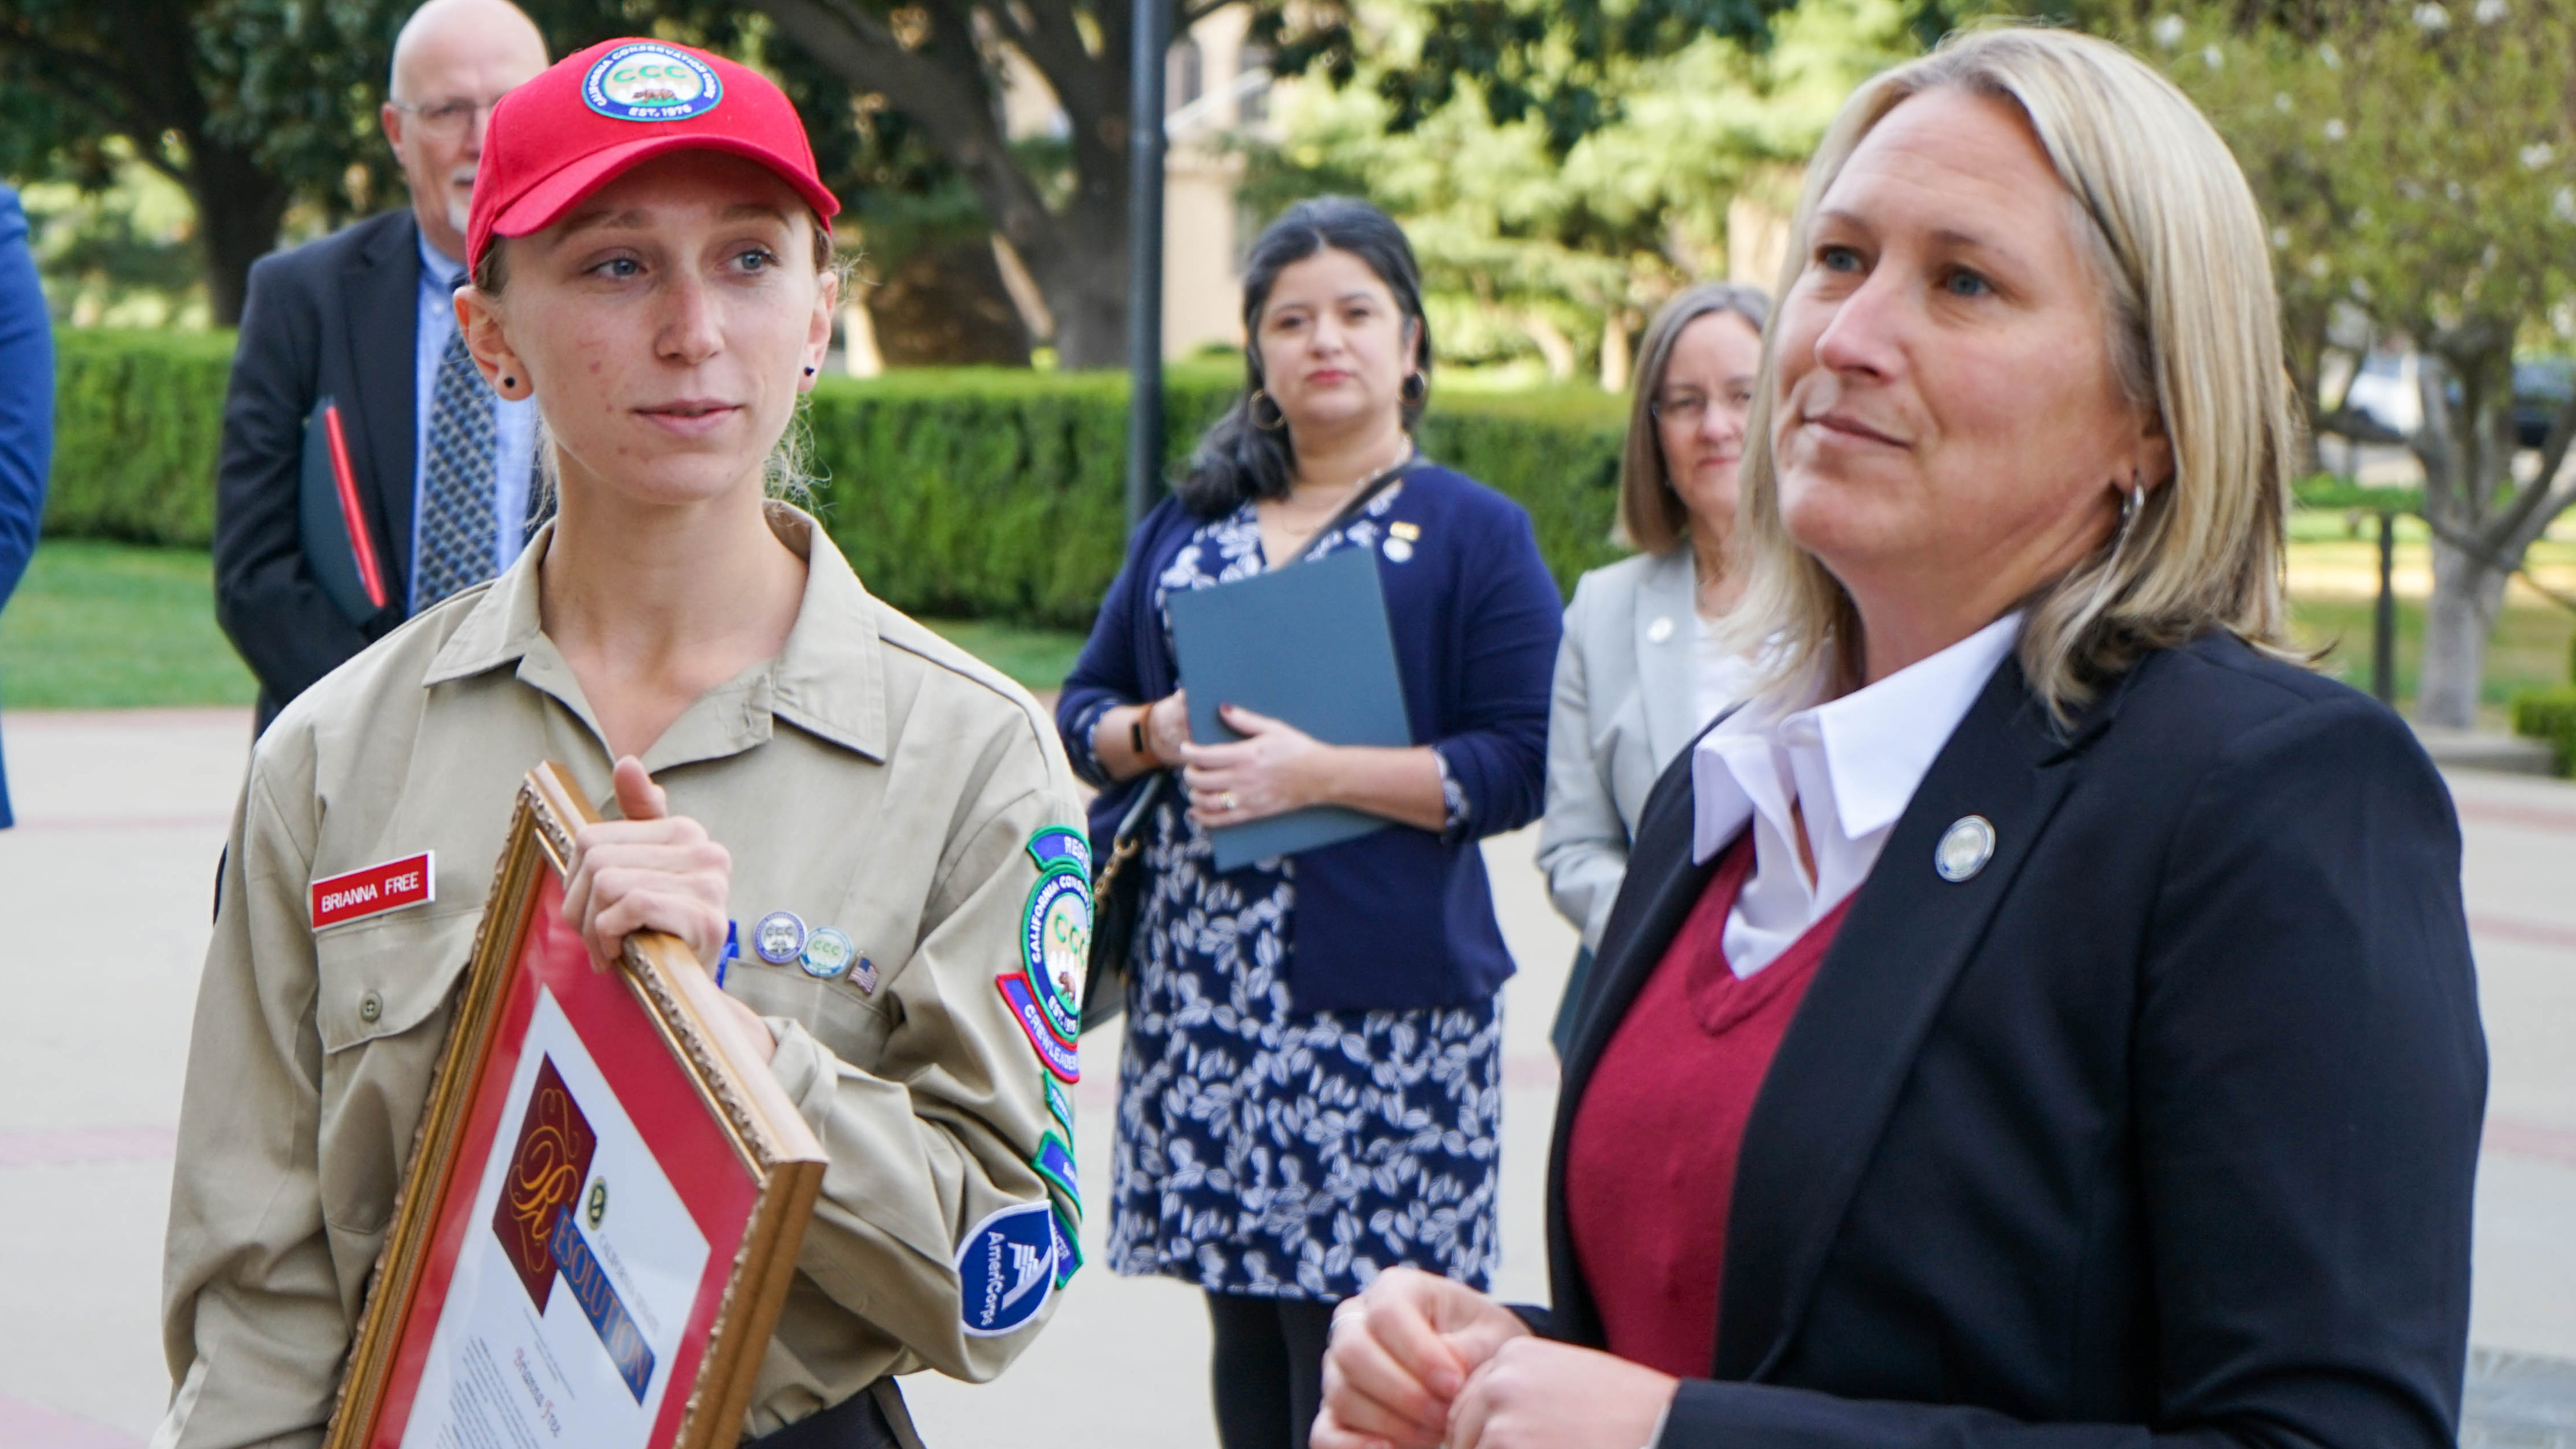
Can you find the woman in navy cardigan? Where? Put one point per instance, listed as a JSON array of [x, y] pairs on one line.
[[1311, 1089]]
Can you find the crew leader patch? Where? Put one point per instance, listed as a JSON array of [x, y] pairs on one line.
[[1059, 1057], [1006, 1269]]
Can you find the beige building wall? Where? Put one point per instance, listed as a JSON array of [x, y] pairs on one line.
[[1757, 227], [1211, 94], [1202, 248]]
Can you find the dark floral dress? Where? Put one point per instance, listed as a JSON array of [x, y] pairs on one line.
[[1271, 1152]]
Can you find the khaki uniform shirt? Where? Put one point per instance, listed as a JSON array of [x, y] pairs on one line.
[[871, 778]]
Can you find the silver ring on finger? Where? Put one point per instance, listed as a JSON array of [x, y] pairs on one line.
[[1225, 802]]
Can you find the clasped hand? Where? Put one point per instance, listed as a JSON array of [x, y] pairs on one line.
[[1275, 768], [1420, 1362], [655, 871]]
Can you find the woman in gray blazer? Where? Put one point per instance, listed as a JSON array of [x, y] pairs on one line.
[[1640, 670]]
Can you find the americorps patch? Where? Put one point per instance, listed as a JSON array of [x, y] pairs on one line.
[[651, 82], [1006, 1269]]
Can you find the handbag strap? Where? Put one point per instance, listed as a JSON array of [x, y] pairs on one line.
[[1129, 837], [1358, 502]]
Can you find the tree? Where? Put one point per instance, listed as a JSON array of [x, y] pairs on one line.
[[933, 287], [1063, 209], [940, 65], [2418, 163], [256, 105], [250, 105], [1529, 249]]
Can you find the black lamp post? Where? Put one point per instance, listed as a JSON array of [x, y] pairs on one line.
[[2383, 615], [1152, 29]]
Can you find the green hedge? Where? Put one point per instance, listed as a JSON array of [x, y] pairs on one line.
[[2549, 715], [981, 493], [2333, 491], [1001, 493], [137, 418]]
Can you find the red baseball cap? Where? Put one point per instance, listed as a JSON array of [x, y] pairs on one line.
[[588, 117]]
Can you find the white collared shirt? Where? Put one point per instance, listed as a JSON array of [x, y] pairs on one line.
[[1853, 764], [1719, 675]]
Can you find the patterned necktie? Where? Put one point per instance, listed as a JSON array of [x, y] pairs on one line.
[[458, 511], [541, 504]]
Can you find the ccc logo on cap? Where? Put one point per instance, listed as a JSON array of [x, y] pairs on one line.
[[649, 82]]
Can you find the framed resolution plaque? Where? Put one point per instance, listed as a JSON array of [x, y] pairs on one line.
[[602, 1211]]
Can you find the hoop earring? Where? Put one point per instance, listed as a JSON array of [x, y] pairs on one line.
[[1252, 412], [2132, 504], [1416, 389]]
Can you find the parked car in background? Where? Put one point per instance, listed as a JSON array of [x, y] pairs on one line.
[[2384, 399], [2383, 396], [2541, 388]]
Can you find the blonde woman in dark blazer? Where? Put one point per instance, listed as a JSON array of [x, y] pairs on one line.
[[1641, 668], [2042, 1017]]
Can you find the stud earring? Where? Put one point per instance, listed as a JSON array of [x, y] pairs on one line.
[[509, 382], [809, 372]]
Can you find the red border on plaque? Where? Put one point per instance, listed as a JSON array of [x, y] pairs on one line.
[[714, 1181]]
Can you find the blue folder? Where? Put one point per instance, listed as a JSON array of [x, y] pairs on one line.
[[1307, 644]]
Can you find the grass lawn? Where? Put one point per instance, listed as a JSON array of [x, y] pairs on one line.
[[2528, 650], [110, 626], [106, 625], [1038, 658], [103, 625]]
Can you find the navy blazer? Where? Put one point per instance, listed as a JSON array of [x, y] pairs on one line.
[[26, 408], [2161, 1127], [1400, 918], [336, 318]]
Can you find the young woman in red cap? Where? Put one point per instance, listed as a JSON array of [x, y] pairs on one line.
[[872, 814]]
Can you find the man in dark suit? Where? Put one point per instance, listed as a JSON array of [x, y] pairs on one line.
[[443, 470]]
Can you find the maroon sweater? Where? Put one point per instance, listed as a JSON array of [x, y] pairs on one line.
[[1650, 1168]]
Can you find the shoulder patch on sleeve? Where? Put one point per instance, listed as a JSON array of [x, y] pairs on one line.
[[1061, 847], [1060, 1102], [1006, 1269], [1068, 1250], [1057, 1055], [1054, 1162], [1055, 934]]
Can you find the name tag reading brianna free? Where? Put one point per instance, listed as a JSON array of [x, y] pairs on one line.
[[410, 881]]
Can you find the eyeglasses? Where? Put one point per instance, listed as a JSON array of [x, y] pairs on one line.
[[448, 119], [1687, 408]]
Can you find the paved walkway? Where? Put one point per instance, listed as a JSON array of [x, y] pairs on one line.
[[104, 896]]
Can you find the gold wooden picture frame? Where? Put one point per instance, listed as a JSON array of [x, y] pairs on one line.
[[728, 1147]]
